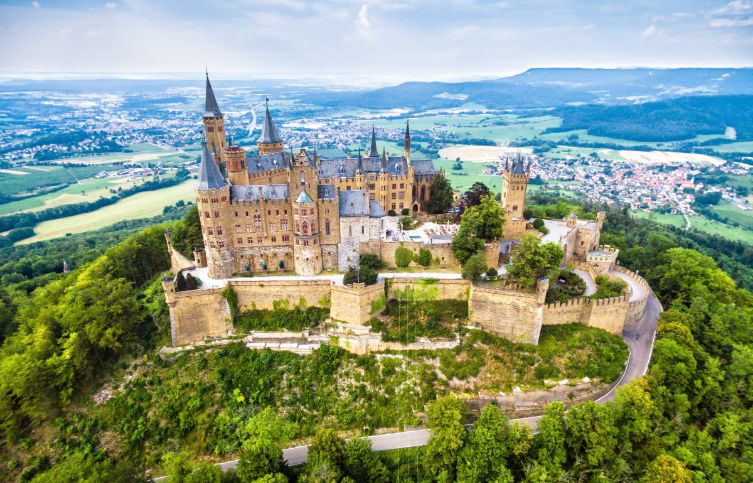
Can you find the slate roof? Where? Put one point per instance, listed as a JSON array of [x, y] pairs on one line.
[[254, 192], [211, 109], [373, 152], [264, 162], [422, 167], [518, 166], [354, 203], [210, 177], [326, 191], [375, 209], [268, 130], [304, 198]]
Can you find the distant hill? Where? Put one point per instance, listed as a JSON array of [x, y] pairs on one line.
[[669, 120], [537, 88]]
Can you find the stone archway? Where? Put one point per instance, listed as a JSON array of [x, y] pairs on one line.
[[415, 207]]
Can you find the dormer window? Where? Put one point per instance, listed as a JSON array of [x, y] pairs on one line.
[[326, 192]]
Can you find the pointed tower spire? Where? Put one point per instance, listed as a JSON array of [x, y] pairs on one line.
[[373, 151], [210, 177], [211, 109], [406, 143]]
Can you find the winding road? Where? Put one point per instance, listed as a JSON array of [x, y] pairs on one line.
[[639, 337]]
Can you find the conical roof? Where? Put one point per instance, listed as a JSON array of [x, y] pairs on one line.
[[210, 177], [304, 198], [211, 109], [268, 130], [373, 152], [517, 166]]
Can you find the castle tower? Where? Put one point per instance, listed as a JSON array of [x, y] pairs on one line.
[[373, 151], [237, 164], [214, 126], [212, 200], [302, 174], [307, 252], [406, 142], [572, 220], [269, 141], [513, 199]]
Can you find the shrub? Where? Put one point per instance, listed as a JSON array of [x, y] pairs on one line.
[[424, 257], [403, 257], [474, 267], [538, 223], [372, 261], [392, 213], [406, 222], [405, 212], [362, 274], [492, 272]]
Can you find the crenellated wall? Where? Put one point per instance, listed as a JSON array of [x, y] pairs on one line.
[[635, 307], [608, 314], [196, 314]]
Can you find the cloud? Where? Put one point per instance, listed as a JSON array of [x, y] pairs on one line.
[[650, 31], [36, 5], [738, 6], [363, 16], [735, 14], [111, 5], [731, 22]]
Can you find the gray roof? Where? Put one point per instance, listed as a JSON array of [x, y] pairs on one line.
[[210, 177], [254, 192], [422, 167], [264, 162], [373, 153], [304, 198], [211, 109], [375, 209], [326, 191], [518, 167], [393, 165], [354, 203], [269, 131]]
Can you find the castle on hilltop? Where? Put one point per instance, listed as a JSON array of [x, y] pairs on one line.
[[279, 210]]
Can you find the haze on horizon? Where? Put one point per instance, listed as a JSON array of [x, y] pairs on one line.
[[380, 40]]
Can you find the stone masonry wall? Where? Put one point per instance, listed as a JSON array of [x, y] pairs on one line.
[[636, 307], [433, 288], [509, 312], [440, 252], [607, 314], [197, 314], [253, 294], [356, 304]]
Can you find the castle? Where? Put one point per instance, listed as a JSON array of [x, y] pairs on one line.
[[281, 211]]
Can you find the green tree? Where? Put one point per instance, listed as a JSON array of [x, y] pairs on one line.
[[440, 195], [424, 257], [479, 224], [447, 437], [532, 260], [474, 267], [666, 469], [261, 453], [360, 274], [362, 464], [485, 455], [475, 193], [403, 256]]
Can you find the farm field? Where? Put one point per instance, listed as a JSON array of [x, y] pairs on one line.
[[471, 173], [656, 157], [142, 153], [734, 214], [736, 147], [478, 154], [703, 224], [87, 190], [140, 205], [11, 184]]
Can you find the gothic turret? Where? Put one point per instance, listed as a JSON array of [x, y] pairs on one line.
[[306, 249], [214, 126], [373, 151], [406, 142], [513, 198], [269, 141]]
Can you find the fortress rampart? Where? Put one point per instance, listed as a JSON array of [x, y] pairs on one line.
[[636, 307], [440, 252]]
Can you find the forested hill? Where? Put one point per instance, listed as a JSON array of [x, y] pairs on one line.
[[669, 120], [550, 87]]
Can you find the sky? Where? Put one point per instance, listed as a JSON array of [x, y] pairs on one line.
[[365, 40]]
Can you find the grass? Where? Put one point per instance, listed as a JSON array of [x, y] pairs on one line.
[[57, 175], [737, 147], [701, 223], [142, 153], [471, 173], [734, 214], [140, 205], [87, 190]]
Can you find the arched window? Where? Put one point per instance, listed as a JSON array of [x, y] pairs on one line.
[[303, 178], [305, 228]]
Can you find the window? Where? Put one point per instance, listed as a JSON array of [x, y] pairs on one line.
[[272, 227], [219, 230], [258, 240], [236, 213], [305, 243], [283, 225], [295, 212], [402, 185], [258, 229], [248, 228], [394, 206], [240, 240], [347, 188], [401, 195], [216, 214], [211, 244], [326, 227], [237, 228], [247, 213], [206, 214], [274, 239], [363, 230], [305, 228], [394, 196], [209, 231], [394, 186], [221, 244], [314, 241], [285, 238], [250, 240]]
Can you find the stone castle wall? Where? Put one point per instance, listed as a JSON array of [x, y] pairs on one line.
[[427, 288], [508, 311], [357, 304], [608, 314], [636, 307], [197, 314], [257, 294], [440, 252]]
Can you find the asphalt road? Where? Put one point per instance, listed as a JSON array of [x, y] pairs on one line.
[[639, 337]]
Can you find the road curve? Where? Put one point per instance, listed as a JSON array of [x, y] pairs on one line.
[[639, 337]]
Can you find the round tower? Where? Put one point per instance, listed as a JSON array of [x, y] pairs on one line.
[[307, 252], [237, 165]]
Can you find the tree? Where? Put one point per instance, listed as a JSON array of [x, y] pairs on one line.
[[484, 457], [424, 257], [478, 224], [328, 445], [473, 196], [465, 243], [447, 437], [362, 464], [440, 195], [474, 267], [360, 274], [532, 260], [372, 261], [403, 256], [666, 469], [261, 453]]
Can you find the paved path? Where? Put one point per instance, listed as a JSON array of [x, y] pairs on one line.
[[636, 291], [590, 284]]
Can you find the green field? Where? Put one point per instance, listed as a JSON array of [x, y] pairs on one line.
[[738, 147], [471, 173], [142, 153], [140, 205], [734, 214], [12, 184], [87, 190], [703, 224]]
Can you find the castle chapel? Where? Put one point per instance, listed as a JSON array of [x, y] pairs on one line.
[[279, 210]]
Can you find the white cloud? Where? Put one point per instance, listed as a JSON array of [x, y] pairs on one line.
[[650, 31], [363, 16], [111, 5], [731, 22], [36, 5], [738, 6]]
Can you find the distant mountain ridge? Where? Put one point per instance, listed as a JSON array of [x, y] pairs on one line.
[[552, 87]]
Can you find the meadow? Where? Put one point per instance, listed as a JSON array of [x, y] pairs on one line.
[[701, 223], [14, 185], [140, 205]]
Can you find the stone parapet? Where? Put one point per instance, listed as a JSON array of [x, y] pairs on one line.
[[357, 303]]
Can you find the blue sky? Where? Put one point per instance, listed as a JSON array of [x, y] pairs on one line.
[[378, 40]]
